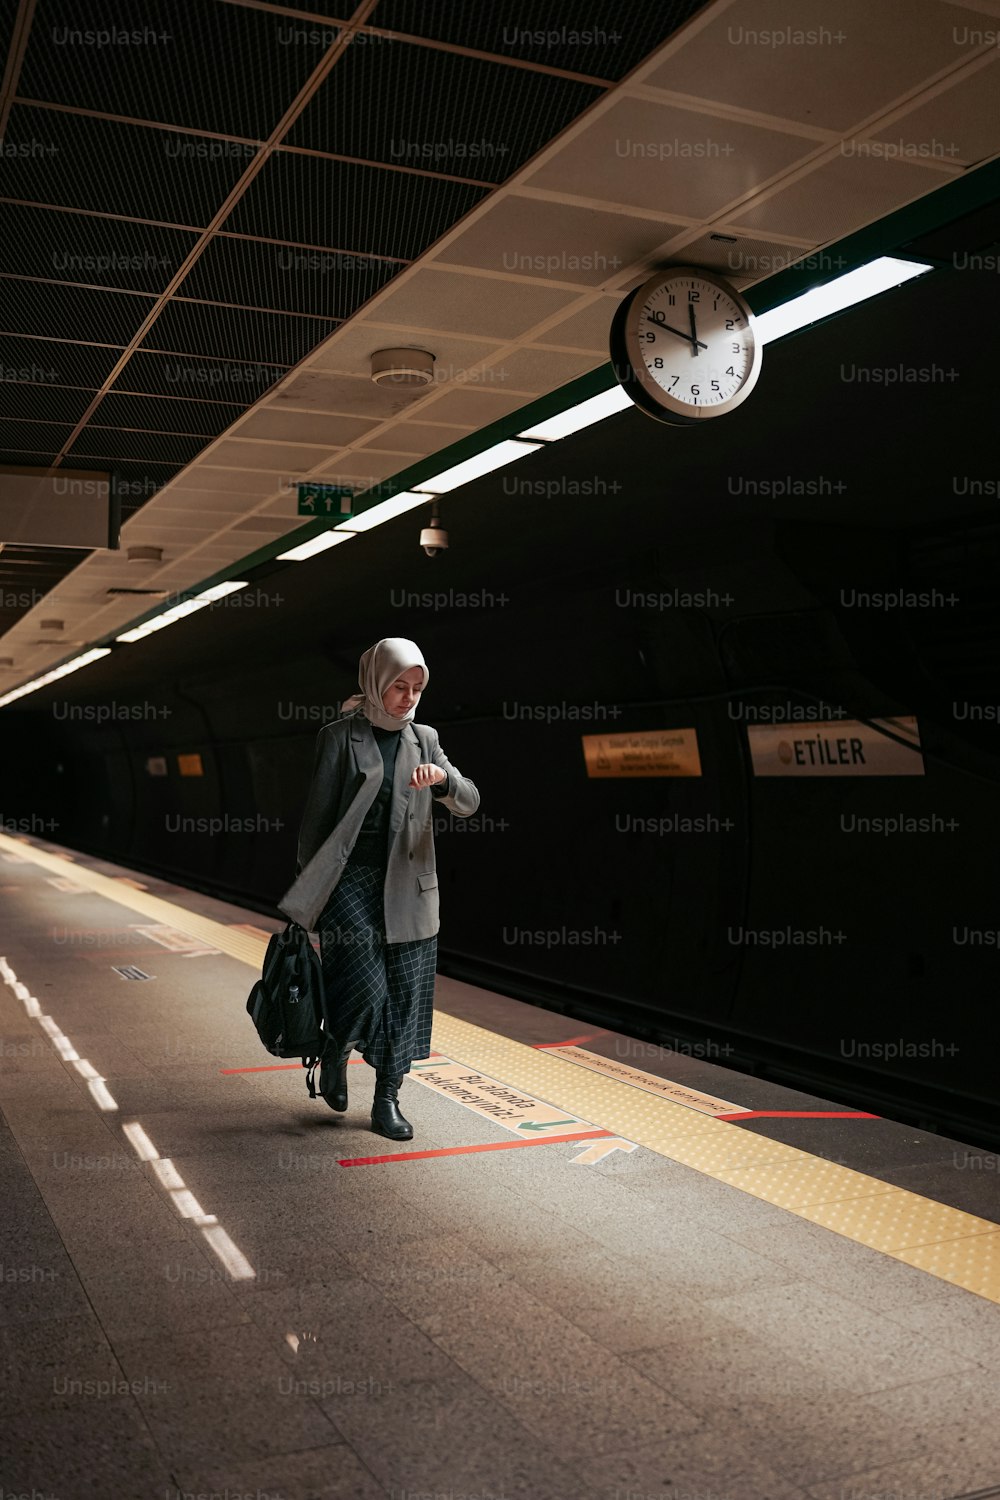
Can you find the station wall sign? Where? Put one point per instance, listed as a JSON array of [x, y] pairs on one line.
[[838, 747], [643, 752]]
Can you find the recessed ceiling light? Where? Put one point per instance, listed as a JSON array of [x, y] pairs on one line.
[[402, 367]]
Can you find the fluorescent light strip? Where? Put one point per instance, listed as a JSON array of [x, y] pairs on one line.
[[179, 611], [385, 510], [576, 417], [496, 457], [67, 667], [834, 296], [312, 546]]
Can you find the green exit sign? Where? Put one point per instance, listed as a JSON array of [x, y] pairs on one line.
[[325, 500]]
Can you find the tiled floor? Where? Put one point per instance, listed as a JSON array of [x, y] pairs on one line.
[[508, 1323]]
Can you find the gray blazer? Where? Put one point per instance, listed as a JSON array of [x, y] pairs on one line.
[[347, 774]]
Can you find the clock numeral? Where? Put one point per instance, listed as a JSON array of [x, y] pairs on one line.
[[730, 371], [730, 325], [694, 296], [671, 299], [649, 337], [696, 390], [658, 363], [675, 380], [715, 385], [736, 348]]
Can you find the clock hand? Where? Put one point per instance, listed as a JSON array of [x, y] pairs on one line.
[[685, 336], [694, 333]]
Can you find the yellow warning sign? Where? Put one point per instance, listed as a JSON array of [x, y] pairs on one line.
[[499, 1102], [643, 752], [520, 1113]]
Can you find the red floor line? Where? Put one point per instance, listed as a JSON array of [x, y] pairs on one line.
[[267, 1068], [370, 1161], [800, 1114]]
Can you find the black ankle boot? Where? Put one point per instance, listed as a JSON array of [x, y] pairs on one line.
[[386, 1118], [333, 1079]]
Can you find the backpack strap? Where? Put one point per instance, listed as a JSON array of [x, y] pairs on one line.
[[311, 1064]]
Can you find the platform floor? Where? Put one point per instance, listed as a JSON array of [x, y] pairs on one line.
[[599, 1271]]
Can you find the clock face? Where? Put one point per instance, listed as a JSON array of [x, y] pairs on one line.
[[684, 347]]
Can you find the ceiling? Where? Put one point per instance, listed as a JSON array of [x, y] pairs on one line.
[[213, 232], [629, 505], [190, 209]]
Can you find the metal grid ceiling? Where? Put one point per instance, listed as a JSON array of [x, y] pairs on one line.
[[147, 248]]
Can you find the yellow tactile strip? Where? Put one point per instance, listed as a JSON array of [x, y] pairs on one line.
[[955, 1247], [231, 940]]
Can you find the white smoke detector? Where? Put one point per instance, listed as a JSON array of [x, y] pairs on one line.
[[402, 367]]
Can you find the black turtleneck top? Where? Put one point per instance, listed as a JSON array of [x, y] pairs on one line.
[[373, 836]]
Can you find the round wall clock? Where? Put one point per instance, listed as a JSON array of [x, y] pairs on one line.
[[683, 346]]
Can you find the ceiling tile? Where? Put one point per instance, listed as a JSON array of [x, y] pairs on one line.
[[327, 284], [539, 370], [91, 250], [391, 101], [214, 67], [235, 332], [53, 403], [410, 437], [52, 362], [234, 382], [587, 329], [960, 124], [452, 302], [656, 156], [363, 469], [110, 444], [350, 349], [555, 241], [76, 160], [472, 407], [47, 311], [350, 208], [842, 194], [271, 458], [740, 258], [162, 414], [40, 437], [604, 45], [303, 427], [208, 481], [852, 58], [354, 395], [269, 525], [211, 502]]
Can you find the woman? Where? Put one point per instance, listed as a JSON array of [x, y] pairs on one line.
[[367, 880]]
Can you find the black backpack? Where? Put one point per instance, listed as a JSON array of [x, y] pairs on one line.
[[286, 1003]]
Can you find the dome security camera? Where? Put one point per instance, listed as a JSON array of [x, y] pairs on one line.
[[434, 538]]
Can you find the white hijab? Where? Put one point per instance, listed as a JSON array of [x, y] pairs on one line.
[[378, 669]]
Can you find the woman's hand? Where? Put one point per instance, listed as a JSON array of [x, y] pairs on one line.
[[427, 774]]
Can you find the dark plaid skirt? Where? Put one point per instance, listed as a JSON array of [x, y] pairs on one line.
[[378, 995]]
